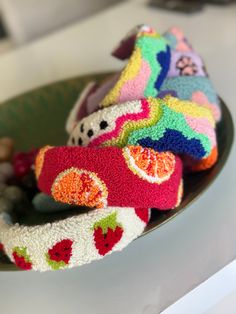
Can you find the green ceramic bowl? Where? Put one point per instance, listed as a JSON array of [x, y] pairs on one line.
[[38, 118]]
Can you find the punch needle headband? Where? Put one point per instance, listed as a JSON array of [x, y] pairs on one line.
[[181, 127], [73, 241], [110, 176], [182, 75]]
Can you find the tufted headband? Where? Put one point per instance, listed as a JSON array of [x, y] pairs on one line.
[[73, 241], [110, 176], [181, 127], [183, 74]]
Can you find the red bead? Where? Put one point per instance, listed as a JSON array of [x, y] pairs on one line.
[[22, 162]]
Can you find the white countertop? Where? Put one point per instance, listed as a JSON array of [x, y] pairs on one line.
[[156, 270]]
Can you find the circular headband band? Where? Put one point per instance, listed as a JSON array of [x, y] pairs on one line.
[[170, 124], [72, 241], [100, 177]]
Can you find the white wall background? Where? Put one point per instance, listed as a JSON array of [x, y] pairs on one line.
[[29, 19]]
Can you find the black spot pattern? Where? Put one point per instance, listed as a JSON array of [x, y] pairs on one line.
[[90, 133], [80, 141], [103, 124]]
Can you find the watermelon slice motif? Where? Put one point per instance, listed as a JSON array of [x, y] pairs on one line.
[[21, 258], [59, 255]]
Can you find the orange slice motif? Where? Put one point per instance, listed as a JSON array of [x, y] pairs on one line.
[[80, 187], [40, 160], [148, 164]]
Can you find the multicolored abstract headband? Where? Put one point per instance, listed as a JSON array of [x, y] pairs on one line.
[[183, 75], [181, 127], [110, 176], [72, 241]]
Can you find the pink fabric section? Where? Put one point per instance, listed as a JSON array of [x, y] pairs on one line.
[[119, 123], [203, 127], [134, 89], [94, 99], [179, 35], [201, 99]]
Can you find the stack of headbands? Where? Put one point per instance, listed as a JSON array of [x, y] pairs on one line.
[[129, 140]]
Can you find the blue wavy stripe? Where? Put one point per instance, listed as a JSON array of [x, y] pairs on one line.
[[175, 142], [163, 58]]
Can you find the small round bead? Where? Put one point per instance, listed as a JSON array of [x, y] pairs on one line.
[[7, 170], [7, 141], [21, 169], [5, 152], [5, 205], [14, 194]]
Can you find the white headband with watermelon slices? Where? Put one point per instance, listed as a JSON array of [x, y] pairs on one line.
[[72, 241]]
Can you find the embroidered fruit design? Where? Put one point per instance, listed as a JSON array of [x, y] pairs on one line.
[[59, 255], [40, 160], [80, 187], [107, 233], [148, 164], [143, 214], [21, 258]]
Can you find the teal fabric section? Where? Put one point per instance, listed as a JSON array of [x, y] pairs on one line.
[[186, 85]]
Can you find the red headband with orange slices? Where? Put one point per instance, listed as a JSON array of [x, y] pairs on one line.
[[99, 177]]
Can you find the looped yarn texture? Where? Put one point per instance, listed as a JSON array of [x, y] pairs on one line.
[[181, 127], [99, 177], [187, 77], [73, 241], [146, 69], [131, 162]]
